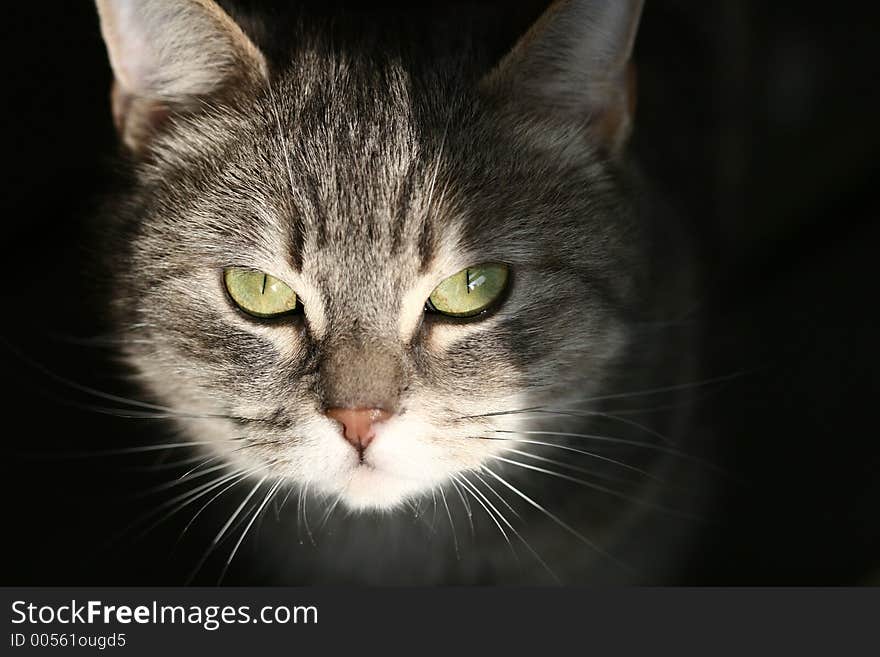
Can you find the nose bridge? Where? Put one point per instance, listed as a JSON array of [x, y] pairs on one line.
[[362, 373]]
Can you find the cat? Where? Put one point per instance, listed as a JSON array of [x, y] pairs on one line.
[[428, 296]]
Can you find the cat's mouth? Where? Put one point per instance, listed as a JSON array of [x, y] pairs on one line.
[[386, 474], [371, 487]]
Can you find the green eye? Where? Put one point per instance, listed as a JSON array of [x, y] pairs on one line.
[[257, 293], [470, 291]]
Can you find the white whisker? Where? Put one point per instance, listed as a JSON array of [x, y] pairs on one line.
[[241, 538], [497, 494], [186, 498], [583, 452], [451, 524], [522, 539], [180, 481], [597, 487], [622, 420], [571, 530], [622, 441], [305, 514], [219, 537], [329, 511], [466, 505], [468, 487], [237, 481]]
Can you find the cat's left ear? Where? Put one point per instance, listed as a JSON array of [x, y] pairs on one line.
[[574, 64], [168, 56]]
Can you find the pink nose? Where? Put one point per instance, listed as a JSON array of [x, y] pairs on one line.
[[358, 424]]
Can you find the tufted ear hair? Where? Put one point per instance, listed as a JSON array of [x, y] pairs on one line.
[[167, 56], [575, 63]]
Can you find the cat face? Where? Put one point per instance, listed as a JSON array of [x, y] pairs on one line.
[[360, 187]]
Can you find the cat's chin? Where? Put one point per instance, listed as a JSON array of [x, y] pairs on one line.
[[373, 489]]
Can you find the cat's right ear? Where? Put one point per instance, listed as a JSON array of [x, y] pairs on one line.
[[168, 56]]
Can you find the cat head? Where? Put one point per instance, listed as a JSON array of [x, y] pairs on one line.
[[343, 271]]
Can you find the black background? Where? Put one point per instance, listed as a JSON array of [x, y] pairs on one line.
[[758, 120]]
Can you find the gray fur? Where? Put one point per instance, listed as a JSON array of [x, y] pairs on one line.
[[356, 178]]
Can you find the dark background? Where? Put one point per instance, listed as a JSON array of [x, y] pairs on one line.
[[757, 120]]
